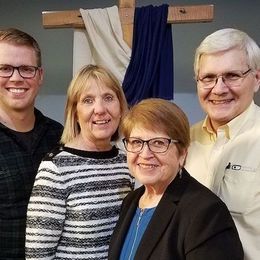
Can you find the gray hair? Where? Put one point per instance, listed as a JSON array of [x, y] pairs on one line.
[[226, 39]]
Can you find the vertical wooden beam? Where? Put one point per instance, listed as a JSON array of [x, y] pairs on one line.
[[126, 3], [127, 25]]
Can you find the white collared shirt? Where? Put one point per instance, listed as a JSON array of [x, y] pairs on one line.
[[228, 163]]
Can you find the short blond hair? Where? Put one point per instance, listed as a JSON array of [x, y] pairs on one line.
[[20, 38]]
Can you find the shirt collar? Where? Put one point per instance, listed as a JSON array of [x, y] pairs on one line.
[[237, 123], [231, 128], [207, 128]]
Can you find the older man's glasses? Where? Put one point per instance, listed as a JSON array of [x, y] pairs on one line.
[[231, 79], [155, 145], [26, 72]]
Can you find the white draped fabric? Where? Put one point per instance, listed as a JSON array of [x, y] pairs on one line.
[[102, 42]]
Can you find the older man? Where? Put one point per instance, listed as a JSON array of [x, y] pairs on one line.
[[225, 149]]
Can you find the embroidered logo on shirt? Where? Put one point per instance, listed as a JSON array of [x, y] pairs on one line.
[[238, 167]]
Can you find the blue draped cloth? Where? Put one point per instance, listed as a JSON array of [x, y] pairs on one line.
[[150, 71]]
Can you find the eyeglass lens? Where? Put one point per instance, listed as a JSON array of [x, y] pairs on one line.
[[7, 71], [231, 79], [157, 145]]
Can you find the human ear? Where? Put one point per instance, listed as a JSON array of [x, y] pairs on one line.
[[257, 76], [183, 156]]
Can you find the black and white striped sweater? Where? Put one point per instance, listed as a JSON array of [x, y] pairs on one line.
[[75, 204]]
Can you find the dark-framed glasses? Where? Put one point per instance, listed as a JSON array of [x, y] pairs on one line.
[[155, 145], [232, 79], [26, 72]]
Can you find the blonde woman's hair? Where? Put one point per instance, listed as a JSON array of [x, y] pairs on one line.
[[79, 84]]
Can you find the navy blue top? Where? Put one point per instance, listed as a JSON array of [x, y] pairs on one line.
[[135, 232]]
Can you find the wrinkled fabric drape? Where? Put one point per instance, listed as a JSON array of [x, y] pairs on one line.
[[102, 42], [150, 71]]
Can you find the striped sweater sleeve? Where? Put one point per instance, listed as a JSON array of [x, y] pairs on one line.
[[46, 213]]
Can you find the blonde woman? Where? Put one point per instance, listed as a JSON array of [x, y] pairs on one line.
[[79, 188]]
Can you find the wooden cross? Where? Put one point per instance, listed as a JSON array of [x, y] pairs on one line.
[[176, 14]]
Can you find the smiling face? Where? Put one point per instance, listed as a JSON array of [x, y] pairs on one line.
[[98, 113], [223, 103], [155, 170], [17, 93]]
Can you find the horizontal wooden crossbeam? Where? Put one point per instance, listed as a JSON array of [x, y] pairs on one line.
[[176, 14]]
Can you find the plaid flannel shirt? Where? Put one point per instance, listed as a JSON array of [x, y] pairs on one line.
[[18, 168]]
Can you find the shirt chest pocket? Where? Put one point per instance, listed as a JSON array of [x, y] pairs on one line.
[[4, 186], [238, 188], [12, 187]]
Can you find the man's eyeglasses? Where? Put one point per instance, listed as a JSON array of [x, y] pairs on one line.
[[27, 72], [156, 145], [231, 79]]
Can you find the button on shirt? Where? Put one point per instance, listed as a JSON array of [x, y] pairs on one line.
[[228, 163]]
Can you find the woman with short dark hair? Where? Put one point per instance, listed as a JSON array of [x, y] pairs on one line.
[[172, 216]]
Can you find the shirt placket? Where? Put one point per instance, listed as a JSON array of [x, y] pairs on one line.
[[214, 159]]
